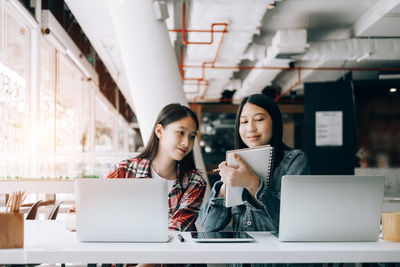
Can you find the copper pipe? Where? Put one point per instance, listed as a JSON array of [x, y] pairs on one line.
[[192, 84], [185, 42], [199, 80], [294, 68], [204, 83], [184, 30], [188, 30], [181, 69], [212, 63]]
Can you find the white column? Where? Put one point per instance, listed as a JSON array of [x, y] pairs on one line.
[[149, 61]]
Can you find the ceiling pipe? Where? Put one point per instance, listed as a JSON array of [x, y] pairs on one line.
[[184, 30], [353, 49], [356, 50], [201, 81], [284, 45], [294, 68], [344, 50], [299, 69], [187, 30], [211, 63]]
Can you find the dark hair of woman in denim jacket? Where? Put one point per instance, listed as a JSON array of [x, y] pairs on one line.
[[258, 122]]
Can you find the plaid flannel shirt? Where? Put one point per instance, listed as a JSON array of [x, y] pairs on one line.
[[184, 199]]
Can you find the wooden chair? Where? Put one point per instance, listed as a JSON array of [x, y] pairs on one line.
[[54, 211], [32, 213]]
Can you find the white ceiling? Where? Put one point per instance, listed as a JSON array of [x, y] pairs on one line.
[[251, 28]]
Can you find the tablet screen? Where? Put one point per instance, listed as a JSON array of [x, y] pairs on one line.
[[221, 237]]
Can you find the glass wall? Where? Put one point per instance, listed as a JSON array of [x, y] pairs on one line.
[[104, 120], [71, 119], [14, 104], [76, 132], [47, 99]]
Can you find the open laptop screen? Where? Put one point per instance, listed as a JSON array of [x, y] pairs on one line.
[[121, 210], [330, 208]]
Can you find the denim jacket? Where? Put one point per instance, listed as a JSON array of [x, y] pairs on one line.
[[251, 216]]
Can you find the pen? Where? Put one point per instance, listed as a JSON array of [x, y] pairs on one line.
[[216, 170], [181, 238]]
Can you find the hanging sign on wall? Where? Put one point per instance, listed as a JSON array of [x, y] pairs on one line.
[[329, 128]]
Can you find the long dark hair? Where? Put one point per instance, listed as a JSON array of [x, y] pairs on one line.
[[273, 110], [171, 113]]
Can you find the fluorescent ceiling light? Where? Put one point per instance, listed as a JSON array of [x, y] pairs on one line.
[[363, 57], [388, 76]]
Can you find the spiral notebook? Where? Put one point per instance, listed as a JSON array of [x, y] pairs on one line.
[[260, 159]]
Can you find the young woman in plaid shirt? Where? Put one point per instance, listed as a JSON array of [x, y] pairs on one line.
[[168, 155]]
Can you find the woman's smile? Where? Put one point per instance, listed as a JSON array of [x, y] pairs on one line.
[[182, 150], [253, 138]]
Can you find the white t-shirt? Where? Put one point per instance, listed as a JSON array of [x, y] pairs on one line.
[[155, 175]]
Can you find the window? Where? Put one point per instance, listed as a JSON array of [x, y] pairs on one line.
[[14, 106], [104, 124]]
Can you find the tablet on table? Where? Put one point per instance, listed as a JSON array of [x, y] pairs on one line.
[[221, 237]]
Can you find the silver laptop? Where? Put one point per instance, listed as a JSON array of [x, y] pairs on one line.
[[121, 210], [330, 208]]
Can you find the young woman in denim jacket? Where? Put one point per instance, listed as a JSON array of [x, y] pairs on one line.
[[258, 122]]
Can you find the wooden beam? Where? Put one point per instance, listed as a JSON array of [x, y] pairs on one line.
[[291, 108]]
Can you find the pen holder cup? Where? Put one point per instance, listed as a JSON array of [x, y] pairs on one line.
[[11, 230]]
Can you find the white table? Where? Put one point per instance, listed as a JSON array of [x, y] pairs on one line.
[[50, 242]]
